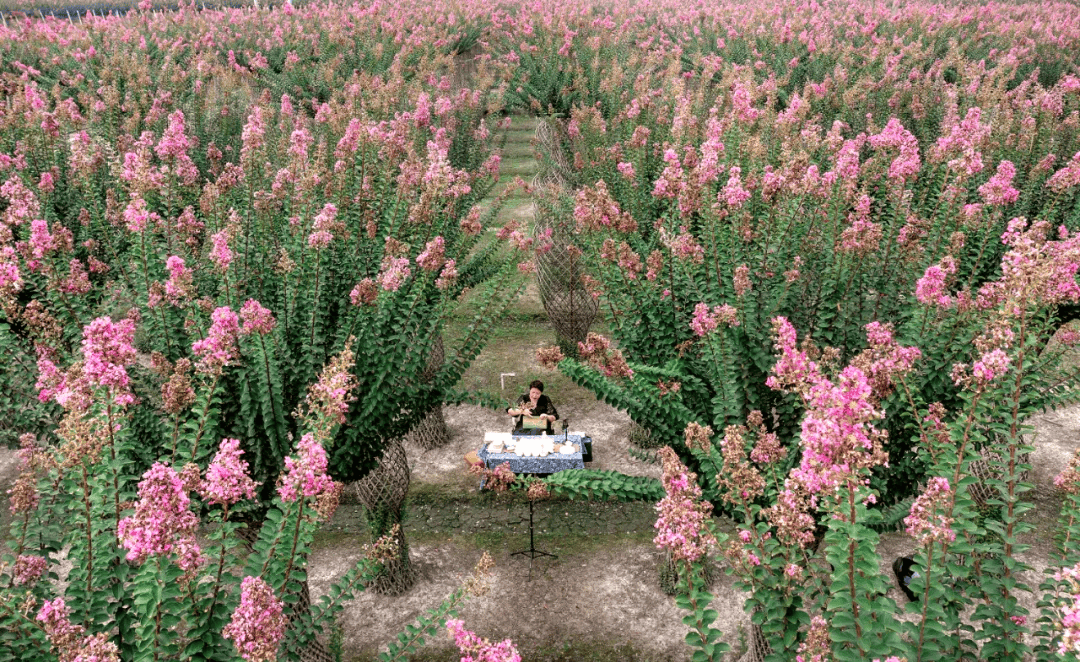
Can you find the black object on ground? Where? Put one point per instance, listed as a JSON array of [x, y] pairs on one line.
[[906, 570]]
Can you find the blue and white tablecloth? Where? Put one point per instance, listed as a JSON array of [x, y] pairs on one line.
[[553, 463]]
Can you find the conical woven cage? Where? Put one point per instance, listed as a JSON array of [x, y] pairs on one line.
[[431, 432], [569, 306], [387, 484], [991, 467]]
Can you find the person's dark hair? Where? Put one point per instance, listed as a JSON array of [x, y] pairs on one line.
[[536, 383]]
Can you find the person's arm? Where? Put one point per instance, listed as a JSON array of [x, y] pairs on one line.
[[519, 410], [550, 410]]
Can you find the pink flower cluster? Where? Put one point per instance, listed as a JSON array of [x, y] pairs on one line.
[[305, 475], [162, 523], [885, 360], [838, 437], [927, 522], [364, 293], [107, 349], [741, 280], [256, 319], [227, 480], [905, 166], [931, 288], [684, 245], [394, 273], [220, 252], [448, 275], [258, 624], [596, 350], [595, 209], [682, 524], [862, 236], [706, 321], [1070, 611], [28, 569], [174, 146], [68, 639], [433, 256], [323, 226], [10, 279], [475, 649], [963, 142], [999, 190], [178, 288], [733, 193], [218, 348]]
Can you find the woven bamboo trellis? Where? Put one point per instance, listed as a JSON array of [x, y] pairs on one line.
[[759, 647], [383, 494], [432, 432], [569, 306], [990, 466]]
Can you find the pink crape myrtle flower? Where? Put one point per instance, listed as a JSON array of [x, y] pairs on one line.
[[999, 190], [325, 222], [258, 623], [220, 252], [930, 289], [10, 279], [227, 480], [67, 638], [136, 215], [905, 166], [1070, 610], [705, 320], [927, 522], [683, 516], [395, 272], [162, 523], [179, 286], [108, 347], [256, 319], [990, 366], [476, 649], [448, 275], [838, 437], [733, 193], [218, 348], [433, 256], [28, 569], [305, 475], [1066, 178]]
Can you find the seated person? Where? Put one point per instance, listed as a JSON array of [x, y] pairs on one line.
[[533, 403]]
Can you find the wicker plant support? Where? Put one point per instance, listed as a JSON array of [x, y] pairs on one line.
[[990, 466], [383, 494], [759, 647], [569, 306], [432, 432]]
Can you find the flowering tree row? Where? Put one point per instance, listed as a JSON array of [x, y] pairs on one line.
[[833, 258], [220, 291]]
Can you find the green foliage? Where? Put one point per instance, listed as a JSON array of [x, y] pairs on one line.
[[603, 485]]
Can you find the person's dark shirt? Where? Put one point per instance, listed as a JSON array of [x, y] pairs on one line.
[[543, 406]]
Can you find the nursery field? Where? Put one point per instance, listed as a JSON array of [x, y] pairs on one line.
[[804, 273]]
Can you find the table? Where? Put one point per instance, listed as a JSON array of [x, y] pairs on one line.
[[553, 463]]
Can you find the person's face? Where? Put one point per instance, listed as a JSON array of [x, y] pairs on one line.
[[534, 394]]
